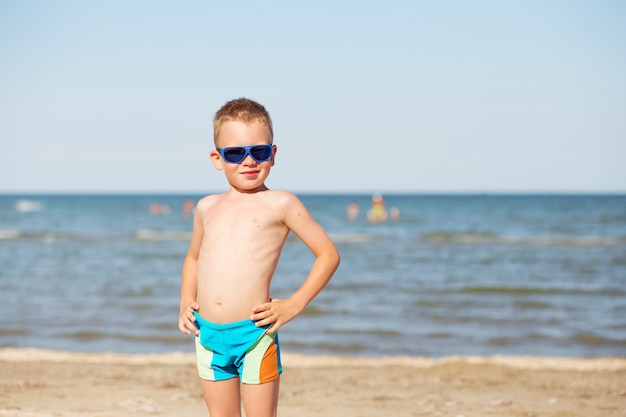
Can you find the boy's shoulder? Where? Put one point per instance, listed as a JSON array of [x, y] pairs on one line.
[[208, 201], [281, 197], [281, 194]]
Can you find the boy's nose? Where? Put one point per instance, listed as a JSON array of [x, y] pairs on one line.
[[248, 160]]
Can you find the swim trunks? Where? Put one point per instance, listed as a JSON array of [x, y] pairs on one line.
[[224, 351]]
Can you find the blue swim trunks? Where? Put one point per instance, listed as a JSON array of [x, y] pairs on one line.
[[242, 349]]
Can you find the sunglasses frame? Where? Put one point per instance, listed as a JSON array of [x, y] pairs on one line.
[[247, 151]]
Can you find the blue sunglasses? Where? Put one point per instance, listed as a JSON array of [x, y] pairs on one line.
[[236, 154]]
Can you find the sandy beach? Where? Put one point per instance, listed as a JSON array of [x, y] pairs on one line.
[[42, 383]]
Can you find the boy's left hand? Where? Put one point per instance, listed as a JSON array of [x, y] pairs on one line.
[[276, 312]]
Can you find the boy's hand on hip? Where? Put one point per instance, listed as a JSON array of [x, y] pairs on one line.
[[186, 319], [276, 312]]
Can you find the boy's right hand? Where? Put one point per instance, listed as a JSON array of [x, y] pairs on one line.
[[186, 319]]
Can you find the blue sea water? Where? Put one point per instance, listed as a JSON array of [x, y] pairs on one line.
[[456, 274]]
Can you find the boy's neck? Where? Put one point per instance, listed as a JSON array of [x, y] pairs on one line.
[[238, 191]]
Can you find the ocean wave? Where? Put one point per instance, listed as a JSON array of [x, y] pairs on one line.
[[373, 331], [615, 218], [85, 335], [142, 234], [488, 238], [325, 346], [13, 332], [89, 336], [301, 360], [535, 291], [342, 237], [9, 234], [584, 338], [51, 237], [351, 237], [166, 340], [438, 335], [148, 234], [533, 305], [595, 340], [501, 341], [314, 311]]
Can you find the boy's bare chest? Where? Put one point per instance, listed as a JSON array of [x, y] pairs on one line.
[[241, 220]]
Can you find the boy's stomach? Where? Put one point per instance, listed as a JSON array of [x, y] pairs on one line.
[[229, 308]]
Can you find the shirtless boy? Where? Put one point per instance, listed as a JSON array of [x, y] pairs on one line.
[[235, 246]]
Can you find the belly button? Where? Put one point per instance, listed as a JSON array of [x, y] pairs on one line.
[[218, 301]]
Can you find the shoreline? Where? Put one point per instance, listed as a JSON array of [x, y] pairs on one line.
[[44, 383], [560, 363]]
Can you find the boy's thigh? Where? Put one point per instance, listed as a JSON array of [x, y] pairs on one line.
[[222, 397], [260, 400]]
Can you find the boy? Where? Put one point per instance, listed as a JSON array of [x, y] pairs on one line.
[[236, 242]]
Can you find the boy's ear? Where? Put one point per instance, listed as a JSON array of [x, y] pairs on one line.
[[216, 158], [273, 154]]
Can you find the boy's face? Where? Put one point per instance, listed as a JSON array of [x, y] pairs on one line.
[[249, 175]]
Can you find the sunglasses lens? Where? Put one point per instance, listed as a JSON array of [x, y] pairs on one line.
[[234, 155], [261, 152]]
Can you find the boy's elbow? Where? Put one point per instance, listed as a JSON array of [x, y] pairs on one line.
[[330, 258], [336, 258]]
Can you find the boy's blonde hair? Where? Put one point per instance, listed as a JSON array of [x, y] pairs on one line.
[[241, 110]]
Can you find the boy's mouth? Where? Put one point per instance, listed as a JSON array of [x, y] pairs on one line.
[[250, 174]]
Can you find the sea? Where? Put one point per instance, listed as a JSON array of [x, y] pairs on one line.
[[541, 275]]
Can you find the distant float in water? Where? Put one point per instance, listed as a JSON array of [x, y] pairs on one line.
[[379, 213]]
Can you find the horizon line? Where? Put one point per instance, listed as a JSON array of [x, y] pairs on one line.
[[319, 192]]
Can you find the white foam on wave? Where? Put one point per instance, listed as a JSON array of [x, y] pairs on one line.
[[27, 206], [612, 364], [9, 234], [524, 240]]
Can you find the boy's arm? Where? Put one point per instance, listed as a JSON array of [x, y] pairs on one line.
[[300, 222], [189, 283]]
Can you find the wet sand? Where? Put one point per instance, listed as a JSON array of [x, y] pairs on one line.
[[42, 383]]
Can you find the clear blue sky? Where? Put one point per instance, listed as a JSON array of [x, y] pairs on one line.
[[398, 96]]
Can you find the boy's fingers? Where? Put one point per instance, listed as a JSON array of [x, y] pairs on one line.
[[187, 325], [183, 329], [257, 317], [273, 329], [262, 307], [192, 326]]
